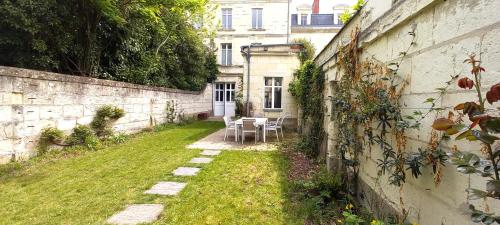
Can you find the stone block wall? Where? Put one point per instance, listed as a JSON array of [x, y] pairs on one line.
[[32, 100], [446, 32]]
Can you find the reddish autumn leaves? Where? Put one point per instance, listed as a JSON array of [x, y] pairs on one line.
[[465, 83], [493, 95], [476, 68], [474, 110]]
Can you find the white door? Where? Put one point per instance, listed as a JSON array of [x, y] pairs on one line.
[[219, 99], [230, 105], [224, 104]]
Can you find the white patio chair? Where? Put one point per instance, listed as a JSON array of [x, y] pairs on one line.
[[279, 124], [230, 125], [273, 127], [248, 126], [275, 121]]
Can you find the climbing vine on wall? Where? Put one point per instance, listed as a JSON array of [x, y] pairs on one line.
[[367, 112], [307, 87]]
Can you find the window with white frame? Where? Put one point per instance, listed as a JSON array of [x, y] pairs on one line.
[[256, 18], [227, 18], [227, 51], [272, 92], [303, 19], [219, 92], [230, 87]]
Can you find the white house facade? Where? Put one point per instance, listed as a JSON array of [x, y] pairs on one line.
[[264, 23]]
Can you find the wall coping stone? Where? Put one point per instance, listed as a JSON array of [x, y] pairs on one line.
[[50, 76]]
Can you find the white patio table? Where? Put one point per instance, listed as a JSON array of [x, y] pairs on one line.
[[261, 122]]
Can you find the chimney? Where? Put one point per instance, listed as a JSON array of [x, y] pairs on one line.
[[315, 8]]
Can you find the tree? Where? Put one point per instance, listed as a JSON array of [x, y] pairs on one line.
[[151, 42]]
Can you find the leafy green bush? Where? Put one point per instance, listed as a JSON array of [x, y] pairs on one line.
[[304, 145], [84, 136], [79, 134], [119, 138], [308, 52], [104, 118], [348, 13], [49, 136], [92, 142], [321, 196]]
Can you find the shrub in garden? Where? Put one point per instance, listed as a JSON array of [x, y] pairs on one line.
[[105, 116], [87, 136], [321, 196], [83, 135], [49, 136]]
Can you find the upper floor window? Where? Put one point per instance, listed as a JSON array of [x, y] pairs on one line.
[[257, 18], [303, 19], [227, 18], [272, 92], [227, 51]]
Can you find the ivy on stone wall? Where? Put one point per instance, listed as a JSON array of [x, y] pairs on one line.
[[307, 87]]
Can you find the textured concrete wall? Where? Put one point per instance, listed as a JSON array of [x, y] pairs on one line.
[[446, 32], [31, 100]]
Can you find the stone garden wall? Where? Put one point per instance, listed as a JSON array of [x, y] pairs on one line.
[[446, 32], [31, 100]]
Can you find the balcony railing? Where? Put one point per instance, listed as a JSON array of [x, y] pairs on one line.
[[315, 20]]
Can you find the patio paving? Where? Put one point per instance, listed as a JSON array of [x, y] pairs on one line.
[[166, 188], [186, 171], [201, 160], [215, 141], [137, 214]]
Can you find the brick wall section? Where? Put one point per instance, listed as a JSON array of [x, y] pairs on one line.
[[31, 100], [446, 32]]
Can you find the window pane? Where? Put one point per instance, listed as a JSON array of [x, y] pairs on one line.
[[303, 19], [228, 95], [259, 18], [223, 55], [268, 81], [232, 96], [254, 18], [267, 97], [277, 97], [233, 86], [277, 81], [229, 55]]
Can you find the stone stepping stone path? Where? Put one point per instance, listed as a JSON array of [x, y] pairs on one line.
[[166, 188], [201, 160], [137, 214], [148, 213], [210, 152], [186, 171]]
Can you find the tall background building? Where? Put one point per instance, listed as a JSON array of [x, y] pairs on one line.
[[265, 22]]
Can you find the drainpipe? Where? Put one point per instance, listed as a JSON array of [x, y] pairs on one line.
[[248, 78]]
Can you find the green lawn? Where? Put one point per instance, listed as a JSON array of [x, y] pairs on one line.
[[236, 188]]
